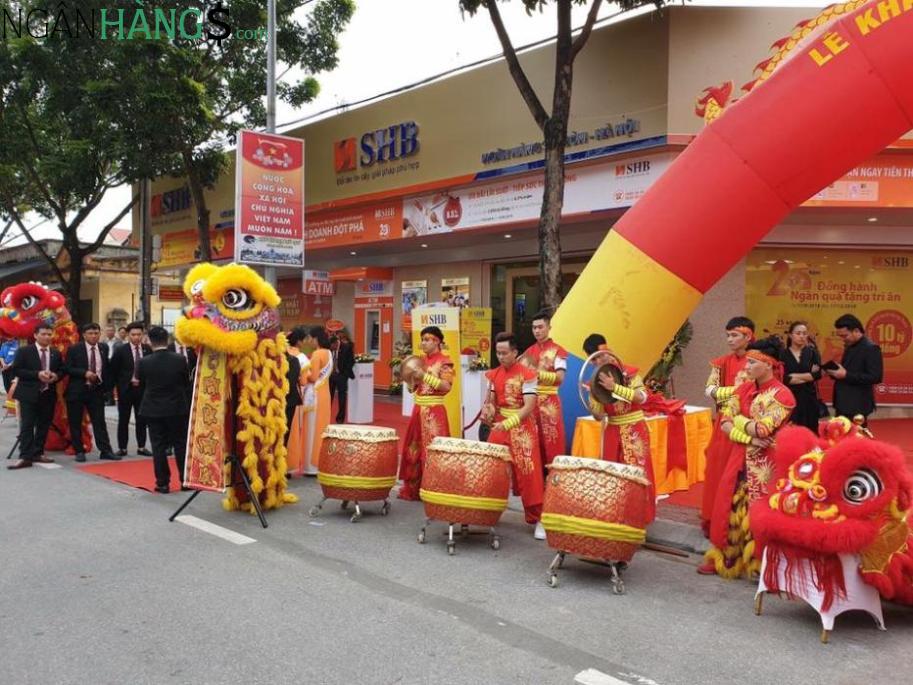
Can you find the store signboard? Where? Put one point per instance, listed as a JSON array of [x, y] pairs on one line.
[[182, 248], [269, 200], [881, 182], [359, 225], [318, 283], [817, 286]]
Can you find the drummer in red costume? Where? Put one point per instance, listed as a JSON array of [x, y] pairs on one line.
[[429, 415], [726, 374], [549, 360], [751, 419], [511, 406], [625, 438]]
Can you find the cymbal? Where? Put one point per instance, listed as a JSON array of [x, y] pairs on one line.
[[411, 369]]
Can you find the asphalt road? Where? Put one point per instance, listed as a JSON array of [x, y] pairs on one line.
[[96, 586]]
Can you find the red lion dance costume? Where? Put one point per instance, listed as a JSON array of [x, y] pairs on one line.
[[841, 495], [22, 308]]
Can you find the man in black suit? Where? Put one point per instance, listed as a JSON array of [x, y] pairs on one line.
[[87, 366], [860, 370], [124, 367], [293, 399], [165, 406], [343, 370], [38, 368], [187, 353]]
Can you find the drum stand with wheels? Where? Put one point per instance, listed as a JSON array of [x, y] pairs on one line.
[[344, 505], [494, 540], [616, 567]]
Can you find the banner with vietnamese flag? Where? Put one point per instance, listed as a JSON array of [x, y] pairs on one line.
[[269, 200]]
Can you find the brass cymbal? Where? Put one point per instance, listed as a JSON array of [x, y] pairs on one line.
[[411, 369]]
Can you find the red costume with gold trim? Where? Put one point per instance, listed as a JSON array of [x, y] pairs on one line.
[[428, 421], [851, 495], [509, 387], [726, 374], [547, 358], [626, 438], [748, 474]]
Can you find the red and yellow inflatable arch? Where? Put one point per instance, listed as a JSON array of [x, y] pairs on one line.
[[844, 93]]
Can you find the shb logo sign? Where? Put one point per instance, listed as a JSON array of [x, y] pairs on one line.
[[383, 145], [433, 319]]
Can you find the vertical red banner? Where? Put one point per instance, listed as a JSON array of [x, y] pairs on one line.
[[269, 200]]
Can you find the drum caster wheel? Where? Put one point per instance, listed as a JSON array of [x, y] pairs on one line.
[[314, 511], [553, 581], [385, 509], [355, 518], [451, 548], [758, 601], [496, 543], [464, 530], [618, 587], [421, 537], [825, 636], [344, 504]]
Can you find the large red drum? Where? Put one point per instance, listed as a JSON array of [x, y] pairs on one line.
[[358, 463], [466, 481], [595, 509]]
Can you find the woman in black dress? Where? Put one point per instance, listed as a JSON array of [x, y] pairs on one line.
[[801, 371]]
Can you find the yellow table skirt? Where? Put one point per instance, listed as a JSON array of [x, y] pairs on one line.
[[698, 425]]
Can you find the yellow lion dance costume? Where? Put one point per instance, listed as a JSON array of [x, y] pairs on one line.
[[233, 321]]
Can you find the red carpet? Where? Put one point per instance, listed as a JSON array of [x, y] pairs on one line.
[[137, 473]]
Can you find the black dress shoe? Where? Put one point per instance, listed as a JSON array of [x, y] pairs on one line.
[[21, 464], [184, 488], [143, 452], [121, 453], [110, 457], [81, 457], [164, 489]]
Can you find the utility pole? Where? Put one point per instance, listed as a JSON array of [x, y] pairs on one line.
[[145, 255], [269, 273]]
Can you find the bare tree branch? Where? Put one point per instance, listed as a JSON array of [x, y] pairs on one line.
[[516, 71], [587, 28], [14, 214], [97, 243], [36, 179]]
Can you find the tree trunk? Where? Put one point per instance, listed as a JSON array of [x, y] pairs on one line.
[[73, 285], [550, 218], [199, 202], [555, 142]]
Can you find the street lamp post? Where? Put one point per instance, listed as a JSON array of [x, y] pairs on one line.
[[269, 273]]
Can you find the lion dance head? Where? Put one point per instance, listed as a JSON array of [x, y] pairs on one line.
[[233, 318], [26, 305], [840, 495]]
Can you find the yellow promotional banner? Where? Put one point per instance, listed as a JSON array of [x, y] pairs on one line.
[[448, 320], [475, 330], [817, 286]]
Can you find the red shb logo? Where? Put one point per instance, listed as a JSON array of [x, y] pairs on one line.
[[344, 158]]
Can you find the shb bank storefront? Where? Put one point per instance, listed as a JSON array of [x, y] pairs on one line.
[[435, 194]]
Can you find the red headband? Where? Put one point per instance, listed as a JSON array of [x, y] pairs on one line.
[[744, 330]]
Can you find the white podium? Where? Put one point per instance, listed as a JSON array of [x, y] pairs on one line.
[[859, 595], [361, 394], [474, 386]]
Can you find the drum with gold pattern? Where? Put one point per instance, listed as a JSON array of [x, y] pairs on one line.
[[595, 509], [466, 481], [358, 463]]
